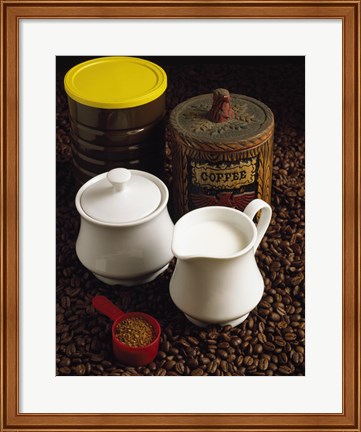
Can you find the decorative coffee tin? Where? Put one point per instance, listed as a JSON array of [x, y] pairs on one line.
[[222, 148]]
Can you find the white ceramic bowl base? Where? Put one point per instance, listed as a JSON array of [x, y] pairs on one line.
[[232, 323], [132, 282]]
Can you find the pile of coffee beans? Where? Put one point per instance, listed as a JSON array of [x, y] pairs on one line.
[[272, 340]]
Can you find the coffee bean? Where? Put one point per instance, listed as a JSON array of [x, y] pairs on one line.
[[290, 309], [287, 348], [263, 312], [189, 352], [173, 351], [275, 316], [269, 346], [262, 338], [223, 345], [192, 363], [96, 357], [250, 323], [235, 342], [279, 341], [263, 364], [184, 343], [193, 340], [212, 367], [249, 349], [98, 367], [213, 335], [203, 335], [168, 365], [80, 369], [231, 358], [264, 304], [281, 311], [261, 327], [284, 370], [197, 372], [272, 366], [258, 348], [65, 302], [165, 346], [289, 337], [152, 366], [282, 324], [224, 365], [283, 358], [275, 266], [295, 356], [179, 367], [252, 369], [211, 356], [66, 338], [222, 353], [239, 360], [205, 360], [161, 355], [65, 362], [248, 360]]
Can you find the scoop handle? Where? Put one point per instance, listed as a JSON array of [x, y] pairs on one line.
[[266, 213], [106, 307]]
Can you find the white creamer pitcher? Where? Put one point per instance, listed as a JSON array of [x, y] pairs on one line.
[[216, 279]]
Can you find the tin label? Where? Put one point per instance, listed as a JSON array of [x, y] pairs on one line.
[[224, 176], [228, 184]]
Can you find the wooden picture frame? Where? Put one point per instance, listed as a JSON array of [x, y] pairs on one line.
[[11, 12]]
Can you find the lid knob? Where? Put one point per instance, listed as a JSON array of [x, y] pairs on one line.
[[119, 177], [221, 110]]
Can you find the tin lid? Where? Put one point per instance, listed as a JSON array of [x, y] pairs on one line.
[[223, 118], [115, 82], [121, 196]]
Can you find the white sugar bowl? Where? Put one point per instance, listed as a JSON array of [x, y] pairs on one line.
[[125, 232]]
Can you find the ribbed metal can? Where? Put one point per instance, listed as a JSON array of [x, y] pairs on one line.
[[222, 147], [116, 112]]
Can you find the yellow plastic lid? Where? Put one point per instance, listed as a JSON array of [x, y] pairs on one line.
[[115, 82]]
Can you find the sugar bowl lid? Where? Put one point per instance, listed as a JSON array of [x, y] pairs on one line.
[[120, 196]]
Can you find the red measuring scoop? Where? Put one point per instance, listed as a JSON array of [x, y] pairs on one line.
[[133, 356]]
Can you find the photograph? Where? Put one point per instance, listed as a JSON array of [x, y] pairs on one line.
[[180, 216], [180, 223]]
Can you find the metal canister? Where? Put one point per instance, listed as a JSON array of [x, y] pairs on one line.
[[222, 147], [116, 112]]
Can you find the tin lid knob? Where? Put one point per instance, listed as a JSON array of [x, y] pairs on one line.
[[221, 110]]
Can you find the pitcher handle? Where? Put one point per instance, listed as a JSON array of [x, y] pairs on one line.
[[251, 210]]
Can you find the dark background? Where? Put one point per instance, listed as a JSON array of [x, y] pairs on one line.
[[278, 81]]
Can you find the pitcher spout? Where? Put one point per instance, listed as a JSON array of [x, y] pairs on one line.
[[180, 250]]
